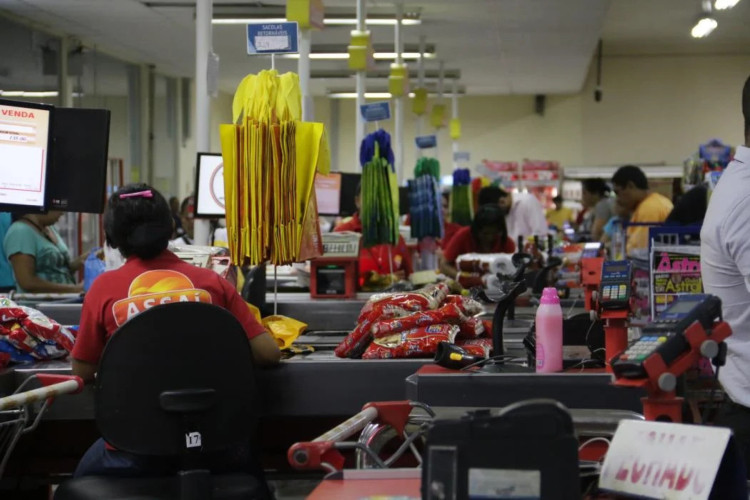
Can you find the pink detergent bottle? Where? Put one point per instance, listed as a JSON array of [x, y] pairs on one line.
[[549, 324]]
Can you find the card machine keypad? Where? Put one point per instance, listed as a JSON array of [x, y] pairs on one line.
[[665, 336], [616, 284]]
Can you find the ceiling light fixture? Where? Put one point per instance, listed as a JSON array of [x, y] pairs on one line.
[[34, 93], [378, 95], [704, 27], [706, 22], [725, 4], [377, 55], [329, 21]]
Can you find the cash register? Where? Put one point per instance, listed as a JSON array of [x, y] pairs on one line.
[[335, 274]]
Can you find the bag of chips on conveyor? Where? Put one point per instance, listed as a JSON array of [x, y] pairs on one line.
[[468, 306], [395, 305], [450, 314], [16, 355], [419, 342], [38, 348], [357, 341], [470, 345], [472, 328], [11, 314], [48, 329]]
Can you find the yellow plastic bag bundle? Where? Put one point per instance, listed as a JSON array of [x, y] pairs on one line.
[[270, 161], [284, 329]]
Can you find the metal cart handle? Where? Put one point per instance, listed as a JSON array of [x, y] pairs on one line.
[[53, 385]]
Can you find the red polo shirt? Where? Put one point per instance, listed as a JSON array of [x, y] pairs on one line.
[[376, 258], [116, 296]]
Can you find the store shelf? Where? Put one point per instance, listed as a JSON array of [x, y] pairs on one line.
[[606, 172]]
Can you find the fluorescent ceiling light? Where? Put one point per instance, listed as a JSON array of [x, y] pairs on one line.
[[345, 55], [725, 4], [704, 27], [375, 95], [34, 93], [335, 21]]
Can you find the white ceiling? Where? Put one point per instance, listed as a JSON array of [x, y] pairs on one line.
[[499, 46]]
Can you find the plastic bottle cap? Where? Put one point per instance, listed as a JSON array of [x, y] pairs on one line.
[[549, 296]]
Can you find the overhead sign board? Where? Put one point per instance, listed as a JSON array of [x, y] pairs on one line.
[[272, 38]]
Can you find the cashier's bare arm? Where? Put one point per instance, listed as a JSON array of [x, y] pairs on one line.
[[265, 353]]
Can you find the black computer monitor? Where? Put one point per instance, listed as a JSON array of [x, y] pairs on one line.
[[404, 203], [78, 171], [26, 132], [349, 183], [209, 186], [328, 193]]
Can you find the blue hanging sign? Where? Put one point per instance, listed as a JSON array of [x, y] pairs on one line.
[[271, 38], [376, 111], [426, 141]]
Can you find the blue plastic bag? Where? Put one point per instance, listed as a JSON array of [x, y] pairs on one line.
[[93, 266]]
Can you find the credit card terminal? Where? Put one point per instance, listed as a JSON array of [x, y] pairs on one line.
[[616, 286], [665, 336]]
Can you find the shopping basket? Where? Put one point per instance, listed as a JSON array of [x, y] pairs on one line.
[[20, 414]]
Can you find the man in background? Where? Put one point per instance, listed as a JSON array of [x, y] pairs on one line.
[[559, 215], [524, 214], [633, 193], [725, 269]]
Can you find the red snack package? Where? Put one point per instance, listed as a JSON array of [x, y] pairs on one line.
[[435, 293], [377, 351], [469, 343], [422, 342], [357, 341], [468, 306], [450, 314], [47, 329], [469, 280], [472, 328], [392, 306], [20, 339], [12, 314], [477, 350]]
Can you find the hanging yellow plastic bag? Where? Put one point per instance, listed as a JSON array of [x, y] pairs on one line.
[[284, 329]]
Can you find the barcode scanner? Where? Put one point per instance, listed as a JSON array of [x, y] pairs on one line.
[[453, 357]]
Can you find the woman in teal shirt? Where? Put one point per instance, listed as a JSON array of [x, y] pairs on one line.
[[40, 259]]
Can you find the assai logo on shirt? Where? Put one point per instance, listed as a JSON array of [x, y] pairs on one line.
[[154, 288]]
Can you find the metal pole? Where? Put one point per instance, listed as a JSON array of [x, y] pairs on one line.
[[203, 15], [303, 68], [454, 114], [420, 84], [360, 78], [441, 92], [65, 97], [399, 104]]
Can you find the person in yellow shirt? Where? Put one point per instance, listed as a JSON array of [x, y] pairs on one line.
[[633, 193], [559, 215]]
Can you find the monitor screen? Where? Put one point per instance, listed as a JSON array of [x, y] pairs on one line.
[[349, 183], [78, 170], [209, 186], [25, 140], [328, 193]]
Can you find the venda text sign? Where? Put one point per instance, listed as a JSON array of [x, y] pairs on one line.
[[271, 38], [663, 460]]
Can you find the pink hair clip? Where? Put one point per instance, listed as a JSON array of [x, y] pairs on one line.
[[142, 194]]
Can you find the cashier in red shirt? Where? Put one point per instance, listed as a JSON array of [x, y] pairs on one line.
[[375, 259], [139, 223], [487, 234]]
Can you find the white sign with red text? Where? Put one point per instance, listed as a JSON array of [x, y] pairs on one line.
[[664, 460]]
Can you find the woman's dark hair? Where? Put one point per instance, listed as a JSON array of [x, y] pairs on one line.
[[489, 215], [596, 186], [138, 225]]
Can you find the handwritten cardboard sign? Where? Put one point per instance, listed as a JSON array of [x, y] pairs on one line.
[[664, 460]]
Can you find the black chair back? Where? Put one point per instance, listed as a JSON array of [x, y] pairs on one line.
[[175, 380]]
